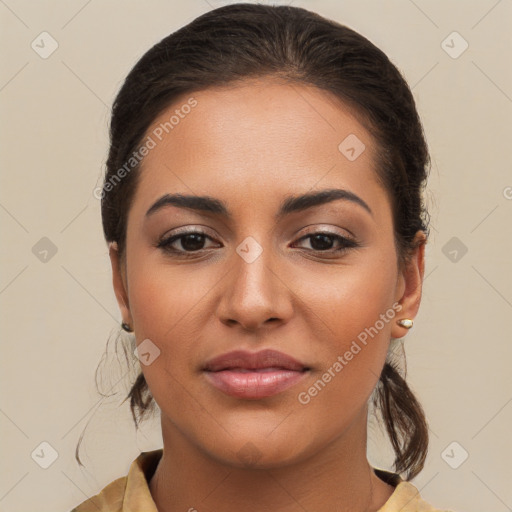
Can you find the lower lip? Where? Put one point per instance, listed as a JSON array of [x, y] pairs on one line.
[[253, 385]]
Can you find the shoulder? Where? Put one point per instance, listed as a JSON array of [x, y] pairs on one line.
[[109, 499], [128, 492], [406, 498]]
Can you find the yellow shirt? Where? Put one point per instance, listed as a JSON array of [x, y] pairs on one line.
[[131, 493]]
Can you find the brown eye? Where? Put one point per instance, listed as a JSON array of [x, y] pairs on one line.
[[323, 242], [184, 242]]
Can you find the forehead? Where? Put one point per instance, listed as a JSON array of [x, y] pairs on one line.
[[257, 139]]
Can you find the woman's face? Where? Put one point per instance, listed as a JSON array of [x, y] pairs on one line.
[[256, 278]]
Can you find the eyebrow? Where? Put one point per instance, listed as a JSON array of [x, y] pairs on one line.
[[290, 204]]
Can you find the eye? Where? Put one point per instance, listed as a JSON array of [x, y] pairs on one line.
[[190, 242], [322, 241]]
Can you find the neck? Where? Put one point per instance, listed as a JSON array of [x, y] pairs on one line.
[[338, 477]]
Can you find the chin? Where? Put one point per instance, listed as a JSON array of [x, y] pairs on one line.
[[259, 451]]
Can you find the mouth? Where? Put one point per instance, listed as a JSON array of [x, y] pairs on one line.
[[253, 376]]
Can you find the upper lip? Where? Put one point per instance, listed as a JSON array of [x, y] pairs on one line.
[[253, 361]]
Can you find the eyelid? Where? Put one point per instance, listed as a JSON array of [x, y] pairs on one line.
[[185, 230], [198, 229], [327, 228]]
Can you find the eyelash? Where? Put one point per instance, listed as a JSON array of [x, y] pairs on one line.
[[165, 243]]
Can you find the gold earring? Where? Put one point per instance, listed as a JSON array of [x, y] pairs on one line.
[[126, 327], [405, 322]]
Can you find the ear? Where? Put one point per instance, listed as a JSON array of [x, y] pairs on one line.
[[119, 282], [409, 285]]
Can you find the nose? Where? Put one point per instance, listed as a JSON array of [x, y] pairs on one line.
[[255, 294]]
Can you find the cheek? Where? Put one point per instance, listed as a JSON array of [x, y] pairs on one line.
[[339, 312], [352, 310], [167, 305], [352, 354], [349, 299], [163, 297]]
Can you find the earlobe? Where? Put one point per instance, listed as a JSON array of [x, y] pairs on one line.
[[411, 281], [119, 283]]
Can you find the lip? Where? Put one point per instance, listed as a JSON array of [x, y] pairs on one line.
[[254, 375]]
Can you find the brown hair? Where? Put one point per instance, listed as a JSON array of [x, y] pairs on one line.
[[241, 41]]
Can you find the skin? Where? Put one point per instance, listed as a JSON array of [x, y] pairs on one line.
[[250, 146]]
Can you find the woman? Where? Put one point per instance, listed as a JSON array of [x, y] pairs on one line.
[[264, 213]]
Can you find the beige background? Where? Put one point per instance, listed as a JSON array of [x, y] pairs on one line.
[[57, 314]]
